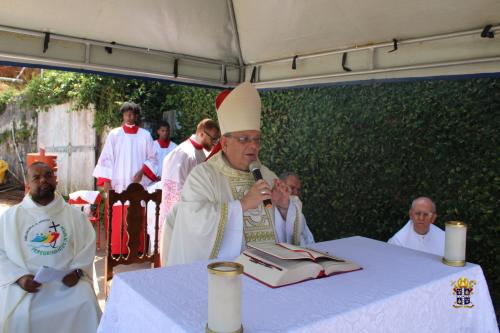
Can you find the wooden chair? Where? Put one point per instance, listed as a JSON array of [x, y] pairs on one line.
[[133, 238]]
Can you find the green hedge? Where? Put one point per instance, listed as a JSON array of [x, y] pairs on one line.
[[365, 151]]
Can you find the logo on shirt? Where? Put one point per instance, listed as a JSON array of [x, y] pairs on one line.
[[45, 237], [463, 289]]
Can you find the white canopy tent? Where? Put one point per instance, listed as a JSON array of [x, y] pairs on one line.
[[274, 43]]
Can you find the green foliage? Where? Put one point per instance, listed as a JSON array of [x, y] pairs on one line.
[[364, 152], [104, 93], [7, 96]]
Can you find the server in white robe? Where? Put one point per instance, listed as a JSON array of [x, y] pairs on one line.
[[128, 157], [178, 164], [43, 230], [221, 207], [420, 233], [163, 145]]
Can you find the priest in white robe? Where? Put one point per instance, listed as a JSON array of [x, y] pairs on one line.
[[179, 163], [420, 233], [163, 145], [128, 157], [43, 230], [221, 207]]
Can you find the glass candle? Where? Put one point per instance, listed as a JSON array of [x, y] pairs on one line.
[[224, 297], [454, 244]]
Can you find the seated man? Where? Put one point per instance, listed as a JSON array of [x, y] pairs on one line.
[[221, 207], [419, 233], [43, 230], [293, 181]]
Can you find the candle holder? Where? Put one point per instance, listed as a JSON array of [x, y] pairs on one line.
[[224, 297], [455, 243]]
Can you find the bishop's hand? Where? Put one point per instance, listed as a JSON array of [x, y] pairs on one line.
[[281, 195], [259, 192], [28, 283]]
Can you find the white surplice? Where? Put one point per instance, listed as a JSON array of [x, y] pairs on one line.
[[209, 222], [161, 153], [432, 242], [176, 167], [57, 236], [124, 155]]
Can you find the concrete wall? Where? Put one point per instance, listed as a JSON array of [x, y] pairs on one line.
[[23, 119], [71, 137]]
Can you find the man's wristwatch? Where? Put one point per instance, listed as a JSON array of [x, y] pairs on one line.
[[79, 273]]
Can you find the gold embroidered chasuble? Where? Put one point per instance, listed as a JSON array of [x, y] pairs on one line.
[[258, 225], [202, 225]]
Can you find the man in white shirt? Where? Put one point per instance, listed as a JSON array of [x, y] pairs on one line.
[[420, 233], [221, 207], [293, 181], [43, 230]]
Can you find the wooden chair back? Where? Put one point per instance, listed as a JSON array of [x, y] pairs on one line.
[[133, 232]]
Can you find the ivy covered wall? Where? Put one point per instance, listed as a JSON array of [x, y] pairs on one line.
[[364, 152]]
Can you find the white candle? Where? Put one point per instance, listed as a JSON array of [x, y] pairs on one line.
[[455, 243], [224, 297]]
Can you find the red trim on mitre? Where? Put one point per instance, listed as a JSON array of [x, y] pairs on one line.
[[148, 173], [130, 130], [221, 97], [101, 181], [217, 148], [195, 144], [163, 143]]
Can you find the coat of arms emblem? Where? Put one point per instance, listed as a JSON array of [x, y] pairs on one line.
[[463, 289]]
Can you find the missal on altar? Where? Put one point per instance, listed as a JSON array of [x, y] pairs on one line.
[[282, 264]]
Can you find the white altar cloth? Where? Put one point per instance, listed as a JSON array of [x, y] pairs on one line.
[[398, 290]]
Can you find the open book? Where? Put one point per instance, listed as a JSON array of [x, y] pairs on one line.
[[277, 265]]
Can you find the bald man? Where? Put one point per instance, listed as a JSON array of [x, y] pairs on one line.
[[420, 233], [44, 231]]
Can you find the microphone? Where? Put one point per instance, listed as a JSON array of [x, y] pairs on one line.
[[255, 170]]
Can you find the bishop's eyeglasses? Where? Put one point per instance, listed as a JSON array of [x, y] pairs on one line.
[[244, 140]]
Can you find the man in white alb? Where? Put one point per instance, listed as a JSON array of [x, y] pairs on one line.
[[43, 230], [179, 163], [128, 157], [293, 181], [221, 207], [420, 233]]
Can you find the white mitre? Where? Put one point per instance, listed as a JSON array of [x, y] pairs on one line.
[[240, 110]]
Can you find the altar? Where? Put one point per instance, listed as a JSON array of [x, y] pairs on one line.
[[398, 290]]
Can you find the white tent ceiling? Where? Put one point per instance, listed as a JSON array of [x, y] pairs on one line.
[[223, 42]]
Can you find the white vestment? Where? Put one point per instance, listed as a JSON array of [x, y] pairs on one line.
[[432, 242], [209, 222], [176, 167], [57, 236], [124, 155], [161, 153]]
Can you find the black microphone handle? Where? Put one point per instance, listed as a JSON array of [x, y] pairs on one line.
[[257, 175]]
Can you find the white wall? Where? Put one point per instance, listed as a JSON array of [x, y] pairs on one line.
[[71, 137]]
